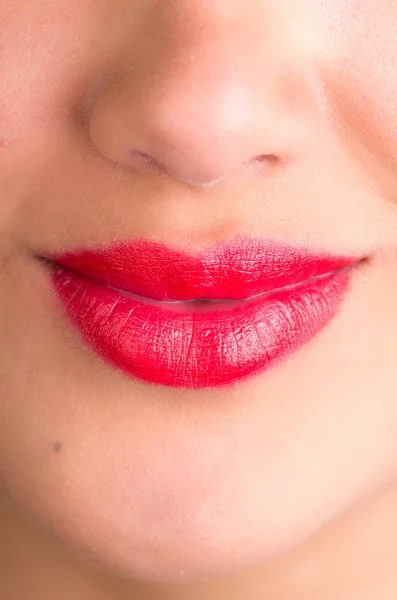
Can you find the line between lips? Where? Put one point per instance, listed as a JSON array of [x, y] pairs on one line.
[[226, 302]]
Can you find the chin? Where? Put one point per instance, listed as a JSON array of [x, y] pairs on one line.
[[177, 535]]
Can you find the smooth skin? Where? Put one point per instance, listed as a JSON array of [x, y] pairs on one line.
[[190, 123]]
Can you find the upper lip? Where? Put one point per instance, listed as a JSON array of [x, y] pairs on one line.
[[240, 269]]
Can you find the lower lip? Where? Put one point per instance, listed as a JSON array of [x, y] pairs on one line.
[[183, 347]]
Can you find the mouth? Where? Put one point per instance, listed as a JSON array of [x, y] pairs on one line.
[[211, 320]]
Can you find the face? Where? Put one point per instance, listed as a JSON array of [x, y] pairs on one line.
[[189, 126]]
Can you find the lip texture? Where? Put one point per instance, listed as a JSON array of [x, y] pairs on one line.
[[130, 302]]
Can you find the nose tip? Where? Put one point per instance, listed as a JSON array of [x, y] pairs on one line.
[[200, 119]]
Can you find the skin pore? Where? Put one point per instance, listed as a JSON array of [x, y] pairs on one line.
[[189, 123]]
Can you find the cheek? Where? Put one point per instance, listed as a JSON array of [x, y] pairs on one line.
[[359, 65], [44, 62]]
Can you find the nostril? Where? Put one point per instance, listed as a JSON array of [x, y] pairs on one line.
[[265, 158], [147, 159], [146, 162]]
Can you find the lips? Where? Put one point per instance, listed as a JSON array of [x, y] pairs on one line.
[[210, 320]]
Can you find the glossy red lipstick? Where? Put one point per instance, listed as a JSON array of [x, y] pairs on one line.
[[199, 321]]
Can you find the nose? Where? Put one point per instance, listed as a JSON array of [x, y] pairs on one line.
[[204, 93]]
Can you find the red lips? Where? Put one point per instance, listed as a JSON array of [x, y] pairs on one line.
[[276, 298]]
